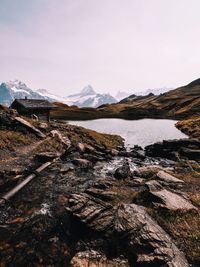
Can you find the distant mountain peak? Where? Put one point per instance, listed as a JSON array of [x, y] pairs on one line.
[[42, 91], [87, 90], [16, 83]]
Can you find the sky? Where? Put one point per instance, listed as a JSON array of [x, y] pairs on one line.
[[126, 45]]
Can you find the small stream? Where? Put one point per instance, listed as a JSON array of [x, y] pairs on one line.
[[135, 132]]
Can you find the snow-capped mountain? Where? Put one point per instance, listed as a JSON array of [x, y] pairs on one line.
[[54, 98], [86, 98], [89, 98], [17, 89]]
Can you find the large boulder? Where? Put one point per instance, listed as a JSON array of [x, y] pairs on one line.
[[168, 178], [130, 225], [171, 149], [166, 199], [123, 171]]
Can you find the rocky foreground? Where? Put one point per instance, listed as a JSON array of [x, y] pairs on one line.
[[96, 204]]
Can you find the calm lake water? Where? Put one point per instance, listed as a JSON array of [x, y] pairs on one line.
[[135, 132]]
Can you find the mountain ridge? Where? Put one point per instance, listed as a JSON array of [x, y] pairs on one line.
[[87, 97], [178, 103]]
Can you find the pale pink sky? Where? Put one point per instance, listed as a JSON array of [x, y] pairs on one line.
[[131, 45]]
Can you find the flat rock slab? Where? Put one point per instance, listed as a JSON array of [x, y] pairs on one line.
[[130, 225], [147, 171], [168, 199], [63, 139], [166, 177], [93, 258], [30, 127]]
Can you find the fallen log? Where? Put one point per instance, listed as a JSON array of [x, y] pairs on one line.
[[29, 178]]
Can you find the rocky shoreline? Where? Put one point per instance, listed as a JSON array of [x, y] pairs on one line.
[[97, 204]]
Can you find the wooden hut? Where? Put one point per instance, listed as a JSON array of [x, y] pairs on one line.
[[33, 107]]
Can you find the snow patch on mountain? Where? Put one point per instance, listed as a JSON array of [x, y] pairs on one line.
[[19, 90], [16, 90], [89, 98], [55, 98]]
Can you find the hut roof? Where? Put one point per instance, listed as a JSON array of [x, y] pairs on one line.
[[34, 103]]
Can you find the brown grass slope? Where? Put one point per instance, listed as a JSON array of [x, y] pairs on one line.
[[177, 104], [190, 126]]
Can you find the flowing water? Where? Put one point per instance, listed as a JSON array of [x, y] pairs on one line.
[[135, 132]]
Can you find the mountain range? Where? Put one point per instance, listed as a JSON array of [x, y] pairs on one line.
[[175, 104], [86, 98], [17, 89]]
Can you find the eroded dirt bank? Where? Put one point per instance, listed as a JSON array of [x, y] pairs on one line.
[[97, 204]]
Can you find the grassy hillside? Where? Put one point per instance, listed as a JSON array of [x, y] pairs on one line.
[[180, 103], [190, 126]]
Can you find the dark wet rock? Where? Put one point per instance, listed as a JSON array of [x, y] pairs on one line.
[[166, 199], [5, 233], [172, 148], [102, 194], [166, 163], [7, 119], [92, 258], [138, 162], [88, 149], [123, 172], [138, 152], [136, 148], [93, 158], [192, 154], [127, 154], [141, 236], [75, 154], [47, 156], [103, 184]]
